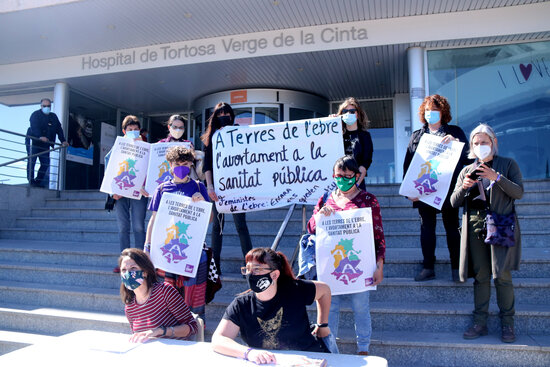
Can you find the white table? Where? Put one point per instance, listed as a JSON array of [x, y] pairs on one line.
[[103, 349]]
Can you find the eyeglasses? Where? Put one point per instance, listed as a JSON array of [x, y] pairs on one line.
[[48, 105], [343, 176], [253, 269], [351, 110], [177, 128]]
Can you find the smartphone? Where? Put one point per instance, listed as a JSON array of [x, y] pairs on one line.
[[474, 175]]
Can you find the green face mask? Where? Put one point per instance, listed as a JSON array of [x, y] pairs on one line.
[[345, 184]]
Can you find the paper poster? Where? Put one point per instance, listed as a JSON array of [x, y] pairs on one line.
[[260, 167], [159, 169], [431, 170], [107, 140], [127, 168], [178, 234], [344, 250]]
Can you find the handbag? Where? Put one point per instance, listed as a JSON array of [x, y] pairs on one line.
[[110, 203], [500, 229]]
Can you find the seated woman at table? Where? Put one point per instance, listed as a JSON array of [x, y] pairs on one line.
[[154, 309], [272, 313]]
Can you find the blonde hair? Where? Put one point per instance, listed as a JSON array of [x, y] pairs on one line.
[[487, 130]]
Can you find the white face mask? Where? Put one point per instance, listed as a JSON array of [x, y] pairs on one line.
[[176, 133], [482, 151]]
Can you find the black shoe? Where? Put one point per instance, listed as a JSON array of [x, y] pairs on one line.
[[425, 274], [456, 276], [508, 335], [475, 331]]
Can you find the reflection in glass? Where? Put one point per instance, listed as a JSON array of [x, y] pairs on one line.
[[266, 115], [243, 116], [505, 86]]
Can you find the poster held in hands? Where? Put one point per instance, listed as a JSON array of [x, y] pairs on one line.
[[159, 169], [344, 250], [259, 167], [431, 170], [125, 173], [178, 234]]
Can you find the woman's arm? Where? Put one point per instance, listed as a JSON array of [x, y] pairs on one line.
[[323, 299], [512, 182], [150, 228], [223, 342], [460, 189]]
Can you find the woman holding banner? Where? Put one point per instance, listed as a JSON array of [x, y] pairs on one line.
[[272, 314], [435, 114], [153, 309], [348, 196], [357, 140], [490, 185], [222, 116]]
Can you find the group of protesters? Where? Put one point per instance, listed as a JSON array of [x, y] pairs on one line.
[[272, 314]]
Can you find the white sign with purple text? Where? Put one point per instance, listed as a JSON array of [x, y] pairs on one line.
[[159, 169], [178, 234]]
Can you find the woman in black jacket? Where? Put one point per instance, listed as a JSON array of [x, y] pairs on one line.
[[435, 113], [357, 140]]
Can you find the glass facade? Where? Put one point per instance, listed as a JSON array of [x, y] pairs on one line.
[[505, 86]]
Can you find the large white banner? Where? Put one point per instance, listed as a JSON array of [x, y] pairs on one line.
[[127, 167], [159, 169], [260, 167], [344, 251], [178, 234], [431, 170]]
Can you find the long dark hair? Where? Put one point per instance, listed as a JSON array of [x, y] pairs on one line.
[[142, 260], [214, 121], [275, 260]]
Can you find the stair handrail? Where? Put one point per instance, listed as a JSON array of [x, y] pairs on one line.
[[282, 229], [28, 156]]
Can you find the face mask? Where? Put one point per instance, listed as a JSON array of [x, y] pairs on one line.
[[482, 151], [224, 120], [176, 133], [259, 283], [46, 110], [132, 279], [432, 117], [345, 184], [134, 134], [349, 118], [181, 172]]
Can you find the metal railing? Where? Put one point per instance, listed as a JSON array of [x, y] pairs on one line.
[[282, 229], [11, 173]]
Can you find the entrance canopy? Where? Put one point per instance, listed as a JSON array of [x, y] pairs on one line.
[[156, 56]]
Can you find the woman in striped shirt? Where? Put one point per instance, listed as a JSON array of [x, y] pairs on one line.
[[153, 309]]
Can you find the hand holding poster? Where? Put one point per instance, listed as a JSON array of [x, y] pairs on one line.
[[344, 250], [159, 169], [431, 170], [260, 167], [178, 234], [127, 167]]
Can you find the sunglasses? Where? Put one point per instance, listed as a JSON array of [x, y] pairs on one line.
[[351, 110]]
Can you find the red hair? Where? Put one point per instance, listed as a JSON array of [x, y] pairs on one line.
[[275, 260], [438, 102]]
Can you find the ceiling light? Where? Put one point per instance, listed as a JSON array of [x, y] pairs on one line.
[[187, 15]]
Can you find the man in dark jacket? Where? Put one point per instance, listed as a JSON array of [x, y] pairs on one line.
[[44, 125]]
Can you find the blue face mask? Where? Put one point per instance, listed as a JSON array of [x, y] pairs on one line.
[[349, 118], [46, 110], [132, 134], [432, 117]]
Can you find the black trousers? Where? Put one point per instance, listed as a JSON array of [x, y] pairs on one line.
[[428, 223], [44, 164]]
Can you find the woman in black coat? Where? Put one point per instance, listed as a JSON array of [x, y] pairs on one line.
[[435, 113]]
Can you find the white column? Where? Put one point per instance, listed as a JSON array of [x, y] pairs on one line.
[[401, 131], [61, 109], [417, 89]]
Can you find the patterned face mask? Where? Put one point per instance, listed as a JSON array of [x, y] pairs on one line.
[[132, 279]]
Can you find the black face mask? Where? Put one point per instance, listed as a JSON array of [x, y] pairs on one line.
[[259, 283], [225, 120]]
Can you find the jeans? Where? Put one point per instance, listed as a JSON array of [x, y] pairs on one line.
[[428, 237], [480, 255], [217, 233], [361, 314], [44, 164], [125, 208]]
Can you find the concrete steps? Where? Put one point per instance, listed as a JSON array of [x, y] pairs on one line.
[[56, 277]]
